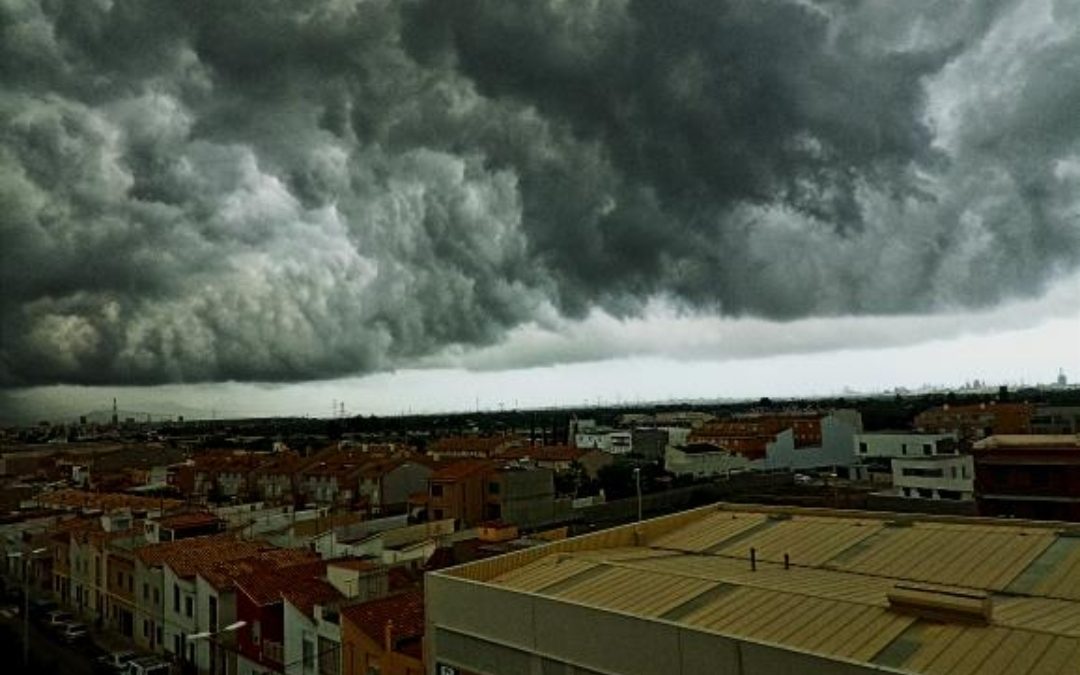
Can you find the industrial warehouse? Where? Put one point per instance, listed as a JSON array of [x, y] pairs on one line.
[[755, 590]]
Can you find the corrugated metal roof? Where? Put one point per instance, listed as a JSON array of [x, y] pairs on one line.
[[833, 598]]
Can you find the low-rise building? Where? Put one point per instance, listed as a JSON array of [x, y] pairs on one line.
[[384, 636], [458, 491], [934, 477], [703, 460], [971, 422], [1028, 476], [759, 591]]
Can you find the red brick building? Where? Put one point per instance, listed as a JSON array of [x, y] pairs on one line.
[[1028, 476]]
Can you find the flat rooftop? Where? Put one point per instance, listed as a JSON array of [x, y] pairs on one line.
[[897, 592]]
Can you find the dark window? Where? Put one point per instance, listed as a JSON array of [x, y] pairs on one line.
[[903, 448], [213, 613], [862, 448], [146, 592], [927, 449], [436, 490], [176, 598], [923, 473], [188, 606], [438, 514]]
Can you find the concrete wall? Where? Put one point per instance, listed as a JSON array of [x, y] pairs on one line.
[[703, 464], [491, 630], [402, 481], [838, 431]]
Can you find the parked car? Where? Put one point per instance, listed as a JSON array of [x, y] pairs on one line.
[[40, 607], [803, 479], [148, 665], [74, 632], [58, 618], [116, 662]]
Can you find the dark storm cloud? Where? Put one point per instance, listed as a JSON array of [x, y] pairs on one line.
[[259, 190]]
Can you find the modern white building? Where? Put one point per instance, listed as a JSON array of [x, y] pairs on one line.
[[934, 477], [703, 460], [887, 445]]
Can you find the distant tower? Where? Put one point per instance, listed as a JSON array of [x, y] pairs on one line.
[[115, 414], [1062, 381]]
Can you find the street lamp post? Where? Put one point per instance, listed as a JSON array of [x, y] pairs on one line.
[[637, 482], [26, 600], [211, 636]]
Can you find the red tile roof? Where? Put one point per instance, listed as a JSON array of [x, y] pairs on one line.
[[463, 469], [305, 594], [182, 521], [404, 610], [187, 556], [547, 453], [266, 585]]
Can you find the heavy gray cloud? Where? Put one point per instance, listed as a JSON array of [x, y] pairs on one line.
[[271, 191]]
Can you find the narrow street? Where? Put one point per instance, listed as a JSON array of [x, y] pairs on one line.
[[48, 654]]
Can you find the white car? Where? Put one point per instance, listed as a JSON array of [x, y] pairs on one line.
[[803, 479], [148, 665], [74, 631], [117, 661]]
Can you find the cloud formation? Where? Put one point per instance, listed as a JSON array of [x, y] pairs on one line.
[[269, 191]]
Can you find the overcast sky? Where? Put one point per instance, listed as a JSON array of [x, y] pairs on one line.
[[258, 208]]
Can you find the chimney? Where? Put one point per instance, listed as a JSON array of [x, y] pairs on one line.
[[388, 637]]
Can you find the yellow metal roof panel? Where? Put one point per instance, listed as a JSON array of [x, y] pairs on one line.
[[834, 598], [806, 540], [709, 531], [543, 573], [635, 591], [949, 554]]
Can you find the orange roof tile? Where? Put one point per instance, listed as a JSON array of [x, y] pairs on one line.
[[404, 611], [463, 469]]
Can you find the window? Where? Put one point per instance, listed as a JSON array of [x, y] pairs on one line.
[[438, 514], [256, 632], [954, 473], [863, 449], [131, 583], [309, 653], [903, 448], [176, 598], [145, 628], [120, 579], [493, 488], [157, 597], [146, 592], [212, 602], [915, 472], [927, 449], [436, 490]]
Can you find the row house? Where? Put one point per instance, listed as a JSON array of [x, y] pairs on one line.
[[458, 492], [276, 481], [216, 601], [384, 636], [220, 475], [386, 485], [975, 421], [260, 601], [471, 447], [311, 627], [553, 457], [166, 589]]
